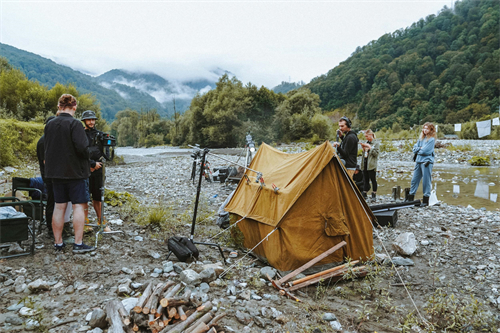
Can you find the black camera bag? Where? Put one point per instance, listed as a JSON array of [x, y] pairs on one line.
[[183, 248]]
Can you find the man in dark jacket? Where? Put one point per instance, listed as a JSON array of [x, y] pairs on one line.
[[348, 148], [95, 152], [40, 153], [67, 164]]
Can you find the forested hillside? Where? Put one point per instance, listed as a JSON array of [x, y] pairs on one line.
[[443, 68], [49, 73], [285, 87]]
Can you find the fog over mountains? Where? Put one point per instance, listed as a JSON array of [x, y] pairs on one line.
[[116, 89]]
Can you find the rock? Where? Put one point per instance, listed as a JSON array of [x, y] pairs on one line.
[[15, 307], [329, 317], [405, 244], [218, 268], [179, 267], [243, 318], [124, 288], [154, 254], [158, 271], [261, 322], [208, 275], [282, 319], [9, 282], [38, 285], [204, 287], [138, 238], [256, 297], [336, 326], [127, 270], [245, 295], [190, 277], [15, 248], [14, 320], [95, 330], [70, 289], [9, 169], [98, 319], [129, 303], [265, 271], [399, 261], [168, 267], [31, 324], [138, 271], [25, 311]]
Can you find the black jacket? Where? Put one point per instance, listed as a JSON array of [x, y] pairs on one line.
[[66, 149], [95, 149], [40, 154], [348, 149]]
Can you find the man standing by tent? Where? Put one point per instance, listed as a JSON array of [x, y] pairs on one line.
[[348, 148]]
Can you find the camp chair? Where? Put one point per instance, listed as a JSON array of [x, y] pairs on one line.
[[23, 184], [18, 229]]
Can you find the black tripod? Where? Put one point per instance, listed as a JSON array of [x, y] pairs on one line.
[[198, 190]]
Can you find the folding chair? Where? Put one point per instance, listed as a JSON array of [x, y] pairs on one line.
[[23, 184], [18, 229]]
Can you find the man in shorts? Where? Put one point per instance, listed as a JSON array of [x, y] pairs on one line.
[[67, 164]]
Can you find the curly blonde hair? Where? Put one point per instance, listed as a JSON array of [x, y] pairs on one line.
[[432, 131]]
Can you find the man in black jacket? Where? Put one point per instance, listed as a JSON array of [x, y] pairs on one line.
[[67, 164], [348, 148], [95, 152]]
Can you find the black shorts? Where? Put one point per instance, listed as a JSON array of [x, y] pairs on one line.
[[95, 184], [70, 190]]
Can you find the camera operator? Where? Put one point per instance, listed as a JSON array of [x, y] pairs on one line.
[[96, 160], [348, 148]]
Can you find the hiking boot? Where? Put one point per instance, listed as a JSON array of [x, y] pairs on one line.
[[411, 197], [374, 196], [82, 248], [425, 202], [365, 196], [59, 248]]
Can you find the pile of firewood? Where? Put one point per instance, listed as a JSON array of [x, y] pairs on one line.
[[160, 309]]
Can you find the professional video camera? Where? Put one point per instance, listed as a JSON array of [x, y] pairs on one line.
[[105, 142]]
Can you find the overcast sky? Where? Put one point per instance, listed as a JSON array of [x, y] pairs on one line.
[[263, 42]]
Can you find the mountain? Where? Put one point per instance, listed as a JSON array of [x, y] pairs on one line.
[[285, 87], [130, 85], [115, 90], [443, 68]]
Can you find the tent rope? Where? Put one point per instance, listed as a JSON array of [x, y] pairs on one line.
[[385, 249], [230, 267], [232, 225]]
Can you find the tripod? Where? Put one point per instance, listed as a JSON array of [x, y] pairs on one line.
[[193, 224]]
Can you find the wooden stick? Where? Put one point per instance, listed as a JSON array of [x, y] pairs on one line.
[[135, 328], [181, 326], [201, 328], [159, 311], [114, 318], [144, 297], [205, 319], [310, 263], [324, 277], [169, 294], [182, 314], [309, 277], [174, 301], [152, 302], [165, 319], [171, 312], [216, 319], [123, 313], [213, 330]]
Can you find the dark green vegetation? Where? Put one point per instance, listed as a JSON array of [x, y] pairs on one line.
[[443, 69], [285, 87], [49, 73]]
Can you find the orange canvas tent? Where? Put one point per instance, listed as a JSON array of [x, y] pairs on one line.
[[316, 207]]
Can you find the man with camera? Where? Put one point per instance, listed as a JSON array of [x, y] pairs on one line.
[[348, 148], [96, 160]]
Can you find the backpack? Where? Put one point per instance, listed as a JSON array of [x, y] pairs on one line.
[[183, 248]]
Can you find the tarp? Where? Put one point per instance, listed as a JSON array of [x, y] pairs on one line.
[[317, 206]]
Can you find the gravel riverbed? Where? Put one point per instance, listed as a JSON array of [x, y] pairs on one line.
[[456, 251]]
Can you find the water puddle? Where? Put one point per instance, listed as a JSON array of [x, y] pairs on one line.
[[455, 184]]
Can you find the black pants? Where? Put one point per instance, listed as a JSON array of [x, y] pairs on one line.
[[370, 175]]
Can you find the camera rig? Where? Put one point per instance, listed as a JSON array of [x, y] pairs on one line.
[[105, 142]]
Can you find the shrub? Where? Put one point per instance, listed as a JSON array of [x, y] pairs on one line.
[[18, 140], [479, 161]]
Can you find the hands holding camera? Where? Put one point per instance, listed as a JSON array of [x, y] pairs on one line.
[[98, 165]]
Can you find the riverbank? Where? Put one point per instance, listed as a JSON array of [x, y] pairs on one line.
[[458, 253]]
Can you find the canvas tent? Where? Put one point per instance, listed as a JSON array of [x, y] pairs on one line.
[[317, 206]]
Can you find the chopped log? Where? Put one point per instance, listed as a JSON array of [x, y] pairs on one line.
[[213, 330], [310, 263], [181, 326], [205, 319], [182, 314], [309, 277], [152, 302], [165, 319], [169, 294], [172, 311], [159, 311], [174, 301], [216, 319], [326, 276], [123, 313], [114, 318], [139, 319], [135, 328], [201, 328], [144, 297]]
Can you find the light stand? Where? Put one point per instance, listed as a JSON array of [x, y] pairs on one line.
[[193, 224]]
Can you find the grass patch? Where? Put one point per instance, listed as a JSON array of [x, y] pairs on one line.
[[479, 161]]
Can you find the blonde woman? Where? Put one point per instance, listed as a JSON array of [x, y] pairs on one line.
[[369, 163], [424, 161]]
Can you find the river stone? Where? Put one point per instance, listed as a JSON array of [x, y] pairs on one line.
[[179, 267], [31, 324], [38, 285], [218, 268], [15, 248], [265, 271], [399, 261], [127, 270], [405, 244], [25, 311], [243, 318], [190, 277], [259, 321], [9, 282], [329, 317], [245, 295], [14, 320], [208, 275], [336, 326], [98, 319], [129, 303], [95, 330]]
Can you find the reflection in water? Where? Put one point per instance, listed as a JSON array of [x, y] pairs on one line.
[[482, 190]]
